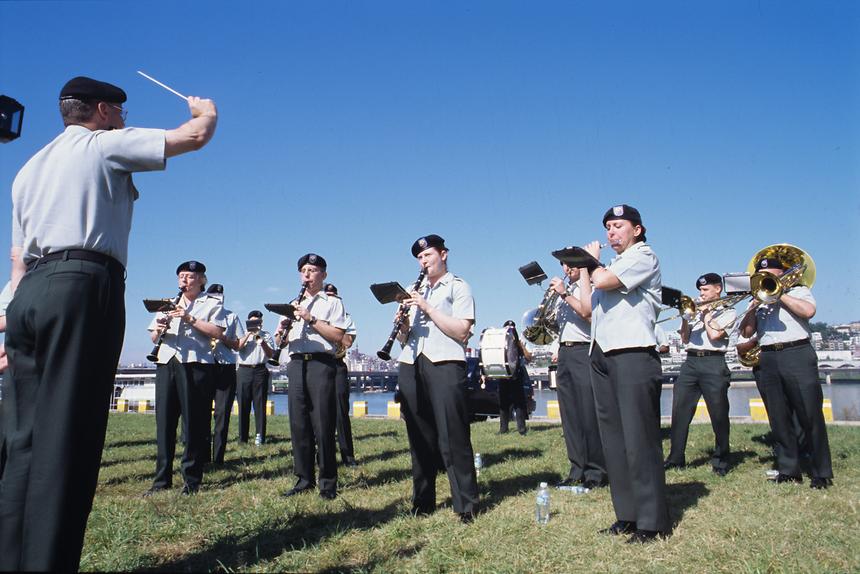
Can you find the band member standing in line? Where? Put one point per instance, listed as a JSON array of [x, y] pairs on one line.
[[225, 375], [512, 394], [626, 376], [432, 379], [573, 380], [344, 425], [72, 207], [788, 378], [704, 373], [252, 379], [185, 377], [313, 338]]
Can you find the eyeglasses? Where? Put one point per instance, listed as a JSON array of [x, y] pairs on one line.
[[122, 113]]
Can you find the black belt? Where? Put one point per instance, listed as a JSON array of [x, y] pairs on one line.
[[81, 254], [698, 353], [325, 357], [781, 346], [649, 350], [253, 366], [574, 343]]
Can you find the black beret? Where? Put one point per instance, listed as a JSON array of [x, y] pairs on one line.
[[623, 211], [255, 313], [193, 266], [709, 279], [330, 288], [769, 263], [313, 259], [215, 289], [427, 242], [83, 88]]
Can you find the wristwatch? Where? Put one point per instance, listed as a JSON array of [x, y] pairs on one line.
[[312, 321]]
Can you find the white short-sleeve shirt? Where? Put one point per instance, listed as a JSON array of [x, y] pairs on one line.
[[185, 342], [303, 337], [572, 327], [776, 324]]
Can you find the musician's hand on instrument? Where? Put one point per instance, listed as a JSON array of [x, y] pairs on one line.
[[593, 249], [302, 313], [557, 285], [416, 299]]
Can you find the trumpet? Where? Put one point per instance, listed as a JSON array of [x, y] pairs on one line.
[[285, 332], [153, 355], [403, 310]]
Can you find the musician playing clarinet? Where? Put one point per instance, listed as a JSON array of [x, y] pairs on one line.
[[319, 325], [432, 379]]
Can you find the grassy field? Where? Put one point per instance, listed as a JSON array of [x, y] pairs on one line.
[[239, 521]]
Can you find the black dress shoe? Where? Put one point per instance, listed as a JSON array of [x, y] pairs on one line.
[[820, 483], [522, 432], [421, 511], [350, 462], [669, 465], [620, 527], [592, 484], [188, 490], [644, 536], [153, 490], [568, 482], [720, 471], [467, 517], [780, 478], [296, 490], [328, 494]]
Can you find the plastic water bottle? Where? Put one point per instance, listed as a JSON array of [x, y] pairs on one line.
[[479, 464], [577, 489], [542, 504]]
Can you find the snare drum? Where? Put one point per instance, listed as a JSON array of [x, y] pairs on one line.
[[499, 353]]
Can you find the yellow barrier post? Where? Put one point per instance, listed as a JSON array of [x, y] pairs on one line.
[[702, 410], [552, 410], [235, 407], [143, 406], [827, 409], [270, 407], [757, 411], [122, 405], [393, 410], [359, 409]]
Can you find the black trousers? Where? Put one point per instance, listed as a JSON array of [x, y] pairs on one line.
[[64, 335], [579, 415], [512, 397], [627, 394], [182, 389], [707, 377], [788, 383], [313, 415], [225, 393], [344, 426], [437, 423], [253, 389]]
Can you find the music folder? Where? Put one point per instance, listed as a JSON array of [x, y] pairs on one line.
[[159, 305], [576, 257], [671, 297], [389, 292], [532, 273], [284, 309]]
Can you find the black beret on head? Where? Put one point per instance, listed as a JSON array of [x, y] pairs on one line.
[[193, 266], [769, 263], [83, 88], [215, 289], [312, 259], [623, 211], [709, 279], [255, 313], [330, 288], [427, 242]]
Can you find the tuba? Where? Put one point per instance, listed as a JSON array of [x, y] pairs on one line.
[[800, 270]]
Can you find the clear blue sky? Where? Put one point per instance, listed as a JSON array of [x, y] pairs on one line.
[[352, 128]]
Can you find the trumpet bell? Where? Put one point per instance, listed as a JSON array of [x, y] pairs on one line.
[[765, 287], [751, 357], [790, 256]]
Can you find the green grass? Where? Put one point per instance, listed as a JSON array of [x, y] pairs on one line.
[[239, 521]]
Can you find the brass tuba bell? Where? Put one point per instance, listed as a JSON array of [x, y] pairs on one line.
[[799, 270]]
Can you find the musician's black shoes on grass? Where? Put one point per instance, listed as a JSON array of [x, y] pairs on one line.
[[620, 527], [645, 536]]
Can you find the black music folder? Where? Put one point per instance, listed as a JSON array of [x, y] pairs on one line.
[[389, 292], [284, 309], [159, 305], [576, 257], [532, 273]]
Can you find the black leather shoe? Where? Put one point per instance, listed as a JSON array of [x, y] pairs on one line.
[[153, 490], [296, 490], [780, 478], [350, 462], [522, 432], [568, 482], [720, 471], [645, 536], [421, 511], [820, 483], [188, 490], [467, 517], [620, 527], [592, 484], [328, 494], [669, 465]]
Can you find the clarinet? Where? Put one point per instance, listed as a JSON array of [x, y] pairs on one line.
[[285, 340], [153, 355], [385, 352]]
